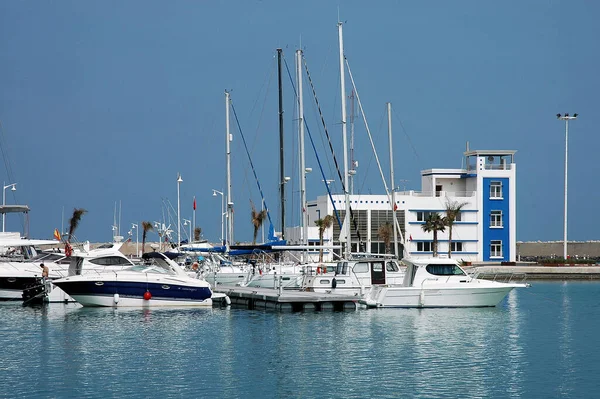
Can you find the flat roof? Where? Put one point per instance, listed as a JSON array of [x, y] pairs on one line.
[[490, 152]]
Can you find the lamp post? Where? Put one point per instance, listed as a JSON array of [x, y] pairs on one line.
[[179, 180], [137, 251], [215, 192], [566, 118], [185, 223], [4, 200]]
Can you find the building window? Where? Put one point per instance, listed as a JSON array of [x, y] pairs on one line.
[[496, 219], [496, 189], [456, 246], [458, 217], [424, 246], [421, 216], [496, 249]]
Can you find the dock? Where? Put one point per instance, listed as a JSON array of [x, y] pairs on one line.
[[538, 272], [286, 300]]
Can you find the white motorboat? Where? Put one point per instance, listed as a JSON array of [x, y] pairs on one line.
[[438, 283], [159, 281], [355, 276]]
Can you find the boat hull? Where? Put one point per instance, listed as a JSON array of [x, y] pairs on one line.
[[131, 293], [458, 297]]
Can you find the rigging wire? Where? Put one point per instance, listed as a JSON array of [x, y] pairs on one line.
[[337, 216], [407, 136], [387, 191], [352, 218], [251, 163]]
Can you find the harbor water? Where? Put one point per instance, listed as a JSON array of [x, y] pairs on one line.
[[539, 342]]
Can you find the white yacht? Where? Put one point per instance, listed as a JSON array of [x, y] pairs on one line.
[[355, 276], [158, 281], [437, 283]]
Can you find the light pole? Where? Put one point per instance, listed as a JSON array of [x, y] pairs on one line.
[[4, 200], [137, 251], [185, 223], [179, 180], [566, 118], [215, 192]]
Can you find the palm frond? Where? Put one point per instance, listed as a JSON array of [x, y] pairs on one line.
[[75, 219]]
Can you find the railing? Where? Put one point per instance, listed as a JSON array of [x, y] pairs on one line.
[[506, 166], [440, 193]]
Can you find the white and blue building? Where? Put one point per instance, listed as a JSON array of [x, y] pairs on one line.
[[485, 229]]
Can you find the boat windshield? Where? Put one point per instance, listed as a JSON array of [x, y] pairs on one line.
[[150, 269], [445, 270]]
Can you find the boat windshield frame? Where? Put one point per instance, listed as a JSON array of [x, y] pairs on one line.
[[444, 269]]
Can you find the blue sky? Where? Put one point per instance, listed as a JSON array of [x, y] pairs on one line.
[[105, 102]]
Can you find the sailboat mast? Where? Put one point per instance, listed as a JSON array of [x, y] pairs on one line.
[[389, 114], [228, 156], [345, 142], [301, 145], [352, 162], [281, 166]]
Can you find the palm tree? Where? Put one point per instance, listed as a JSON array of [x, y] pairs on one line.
[[197, 233], [434, 223], [258, 217], [146, 227], [452, 211], [323, 224], [74, 221], [385, 233]]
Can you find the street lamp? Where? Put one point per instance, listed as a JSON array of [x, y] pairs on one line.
[[137, 251], [4, 200], [185, 223], [566, 118], [179, 180], [215, 192]]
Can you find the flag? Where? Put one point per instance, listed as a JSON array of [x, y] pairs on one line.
[[410, 238], [395, 207], [194, 203], [56, 234]]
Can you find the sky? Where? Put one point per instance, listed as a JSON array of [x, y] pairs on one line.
[[103, 103]]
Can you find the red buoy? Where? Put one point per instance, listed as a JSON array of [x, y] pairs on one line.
[[147, 295]]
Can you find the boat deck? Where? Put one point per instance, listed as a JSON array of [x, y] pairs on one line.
[[286, 300]]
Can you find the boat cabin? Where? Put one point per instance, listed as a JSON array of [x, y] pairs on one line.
[[353, 276], [433, 269]]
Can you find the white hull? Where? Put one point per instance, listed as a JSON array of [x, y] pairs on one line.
[[111, 301], [288, 281], [458, 297]]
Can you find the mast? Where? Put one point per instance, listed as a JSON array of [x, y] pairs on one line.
[[389, 112], [352, 161], [281, 168], [346, 224], [228, 156], [301, 145]]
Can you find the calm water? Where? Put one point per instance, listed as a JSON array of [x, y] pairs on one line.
[[538, 343]]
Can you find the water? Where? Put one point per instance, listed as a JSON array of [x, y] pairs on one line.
[[538, 343]]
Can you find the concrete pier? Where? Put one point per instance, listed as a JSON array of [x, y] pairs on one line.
[[287, 300], [537, 272]]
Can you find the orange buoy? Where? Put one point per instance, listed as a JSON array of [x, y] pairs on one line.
[[147, 295]]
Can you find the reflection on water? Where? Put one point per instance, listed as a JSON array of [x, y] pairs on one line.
[[528, 346]]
